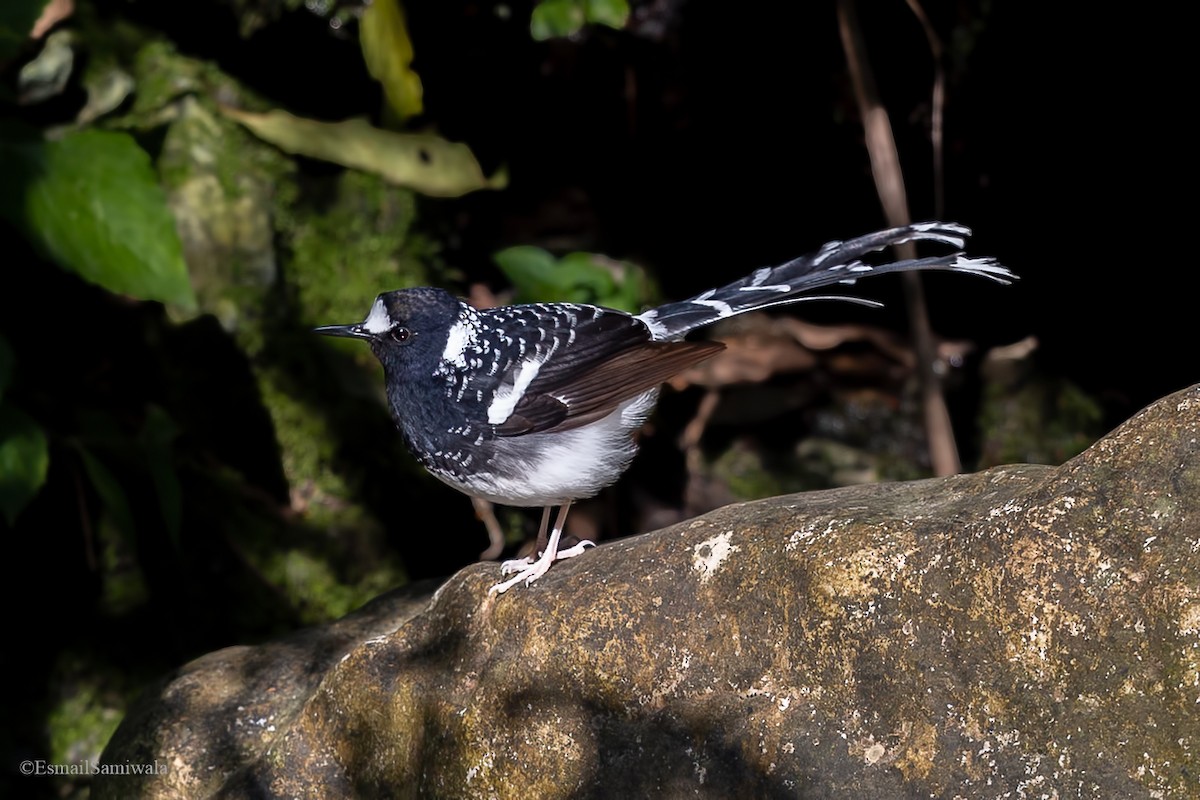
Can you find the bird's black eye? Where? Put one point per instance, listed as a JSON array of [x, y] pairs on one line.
[[400, 334]]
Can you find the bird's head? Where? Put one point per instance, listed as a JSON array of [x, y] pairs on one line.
[[405, 328]]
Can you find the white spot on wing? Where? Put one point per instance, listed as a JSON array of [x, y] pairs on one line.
[[827, 249], [950, 233], [507, 397], [378, 320], [650, 319], [774, 287], [722, 308]]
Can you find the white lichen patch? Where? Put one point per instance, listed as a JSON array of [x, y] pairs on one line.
[[782, 698], [709, 555], [1189, 619], [1009, 508], [803, 536], [674, 674], [485, 764]]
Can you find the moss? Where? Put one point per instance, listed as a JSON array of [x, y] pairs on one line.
[[86, 707], [317, 591], [860, 437], [164, 75], [750, 474], [340, 559], [221, 185], [1036, 421], [350, 237], [272, 250], [82, 723], [318, 564], [879, 433], [306, 447]]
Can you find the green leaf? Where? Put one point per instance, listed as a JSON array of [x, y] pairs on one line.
[[24, 460], [556, 18], [388, 51], [16, 23], [575, 278], [531, 270], [92, 203], [613, 13], [7, 360], [560, 18], [429, 164], [596, 273]]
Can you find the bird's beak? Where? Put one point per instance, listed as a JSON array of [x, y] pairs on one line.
[[349, 331]]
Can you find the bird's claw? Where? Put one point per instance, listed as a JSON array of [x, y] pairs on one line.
[[529, 570], [515, 565]]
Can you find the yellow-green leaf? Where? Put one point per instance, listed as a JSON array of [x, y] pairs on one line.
[[429, 164], [388, 51]]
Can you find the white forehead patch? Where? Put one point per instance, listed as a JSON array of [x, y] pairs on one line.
[[378, 320]]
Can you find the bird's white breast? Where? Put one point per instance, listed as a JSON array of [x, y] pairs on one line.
[[545, 469]]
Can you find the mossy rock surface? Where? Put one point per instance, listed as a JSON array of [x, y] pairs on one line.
[[1027, 629]]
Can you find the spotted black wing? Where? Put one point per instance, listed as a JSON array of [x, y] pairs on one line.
[[586, 362]]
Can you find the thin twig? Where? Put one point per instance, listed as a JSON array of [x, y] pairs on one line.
[[937, 109], [889, 183]]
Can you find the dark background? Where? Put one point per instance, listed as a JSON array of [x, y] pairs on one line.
[[705, 141], [712, 139]]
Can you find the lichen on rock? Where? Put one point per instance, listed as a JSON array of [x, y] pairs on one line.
[[1027, 629]]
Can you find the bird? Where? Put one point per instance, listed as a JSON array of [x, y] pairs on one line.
[[539, 404]]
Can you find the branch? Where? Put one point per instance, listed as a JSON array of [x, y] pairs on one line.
[[889, 183]]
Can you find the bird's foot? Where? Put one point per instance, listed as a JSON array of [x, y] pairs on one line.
[[575, 550], [515, 565], [529, 570]]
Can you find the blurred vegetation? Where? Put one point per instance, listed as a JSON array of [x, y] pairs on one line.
[[189, 187], [182, 464], [538, 277]]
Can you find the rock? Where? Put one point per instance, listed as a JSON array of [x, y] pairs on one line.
[[1025, 631]]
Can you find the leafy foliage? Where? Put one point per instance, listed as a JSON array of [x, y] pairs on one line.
[[424, 162], [558, 18], [91, 202], [388, 51], [577, 277]]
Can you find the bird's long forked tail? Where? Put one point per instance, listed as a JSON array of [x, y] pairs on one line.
[[835, 263]]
